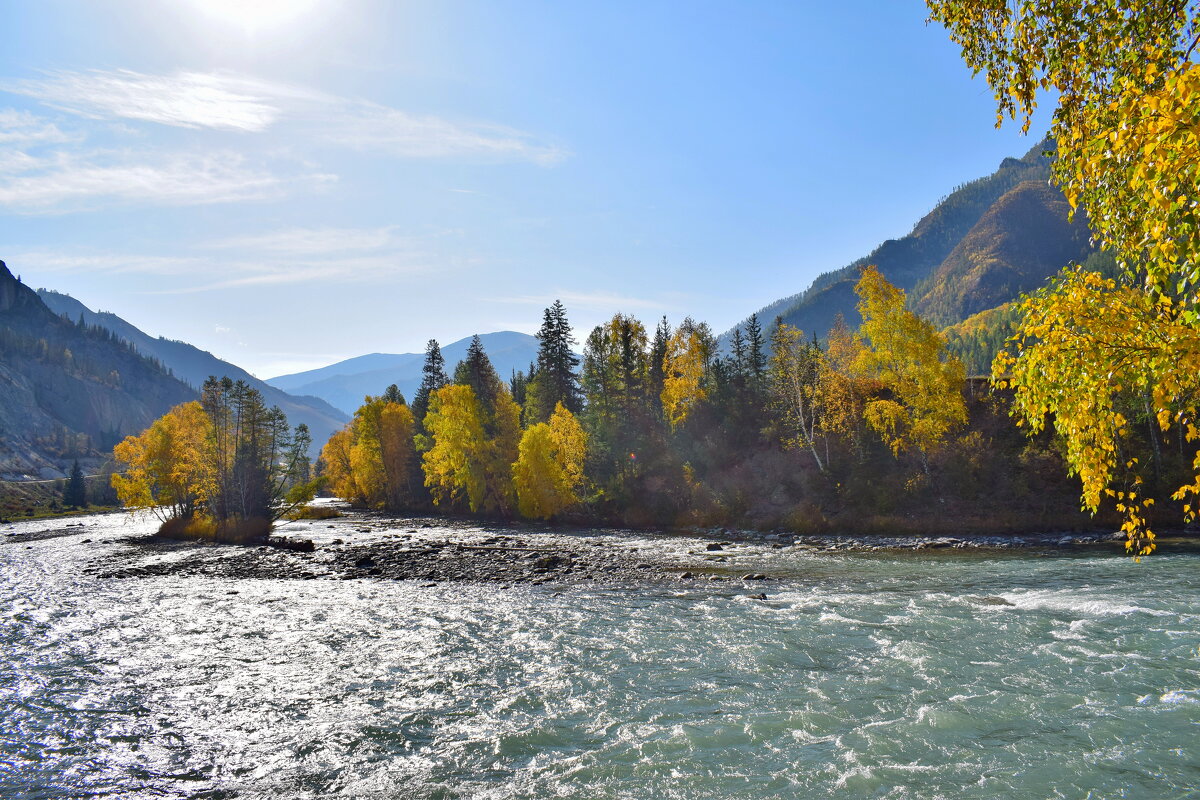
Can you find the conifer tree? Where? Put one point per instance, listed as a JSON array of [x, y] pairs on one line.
[[555, 380], [476, 371], [658, 352], [433, 377], [756, 353], [75, 492]]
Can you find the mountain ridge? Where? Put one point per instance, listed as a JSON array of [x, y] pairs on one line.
[[193, 366], [344, 384], [69, 390], [912, 260]]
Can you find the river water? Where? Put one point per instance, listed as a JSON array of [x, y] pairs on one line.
[[882, 675]]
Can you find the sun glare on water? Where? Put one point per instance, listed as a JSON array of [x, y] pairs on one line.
[[254, 16]]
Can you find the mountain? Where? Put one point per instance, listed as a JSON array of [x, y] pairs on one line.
[[1024, 238], [981, 245], [193, 366], [346, 383], [69, 390]]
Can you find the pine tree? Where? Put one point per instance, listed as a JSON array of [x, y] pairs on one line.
[[392, 394], [75, 492], [433, 377]]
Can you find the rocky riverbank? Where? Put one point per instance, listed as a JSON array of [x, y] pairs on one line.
[[368, 546]]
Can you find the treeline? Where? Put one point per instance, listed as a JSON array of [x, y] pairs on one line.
[[657, 427]]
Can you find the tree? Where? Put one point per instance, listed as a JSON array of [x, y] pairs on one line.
[[841, 393], [169, 468], [476, 371], [366, 453], [618, 413], [554, 380], [549, 469], [756, 353], [454, 466], [795, 372], [261, 467], [433, 377], [656, 378], [338, 473], [75, 492], [909, 359], [392, 394], [685, 370], [1127, 92], [401, 470]]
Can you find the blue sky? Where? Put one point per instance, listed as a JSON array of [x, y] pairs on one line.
[[291, 182]]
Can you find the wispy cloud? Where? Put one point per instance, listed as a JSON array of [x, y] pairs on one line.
[[21, 128], [261, 261], [73, 183], [228, 102], [312, 241], [106, 263], [185, 99], [367, 126]]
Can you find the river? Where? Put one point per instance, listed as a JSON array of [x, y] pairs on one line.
[[930, 674]]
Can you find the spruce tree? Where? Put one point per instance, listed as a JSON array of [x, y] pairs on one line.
[[476, 371], [756, 353], [555, 379], [75, 492], [433, 377], [392, 394], [658, 353]]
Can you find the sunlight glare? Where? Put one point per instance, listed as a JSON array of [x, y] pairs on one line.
[[253, 16]]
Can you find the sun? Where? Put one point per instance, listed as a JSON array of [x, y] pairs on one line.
[[254, 16]]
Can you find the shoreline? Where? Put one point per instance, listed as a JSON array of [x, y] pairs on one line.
[[364, 545]]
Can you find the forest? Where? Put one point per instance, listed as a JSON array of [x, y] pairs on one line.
[[866, 431]]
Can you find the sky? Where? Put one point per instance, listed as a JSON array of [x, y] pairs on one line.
[[287, 183]]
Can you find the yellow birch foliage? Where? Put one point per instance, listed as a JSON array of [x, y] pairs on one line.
[[1086, 342], [684, 366], [908, 358], [366, 453], [455, 466], [549, 469], [840, 392], [1127, 126], [169, 469], [339, 473]]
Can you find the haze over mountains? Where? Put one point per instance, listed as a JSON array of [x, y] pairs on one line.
[[193, 366], [981, 246], [68, 390], [344, 384]]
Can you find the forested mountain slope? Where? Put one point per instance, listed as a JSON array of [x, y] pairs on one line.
[[981, 246], [1023, 239], [69, 390], [193, 365]]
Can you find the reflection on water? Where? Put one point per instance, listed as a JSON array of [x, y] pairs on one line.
[[897, 675]]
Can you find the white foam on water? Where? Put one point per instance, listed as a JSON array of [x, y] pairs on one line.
[[1073, 601], [1176, 696]]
